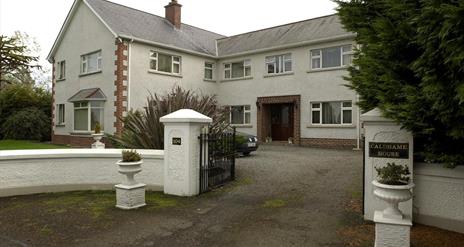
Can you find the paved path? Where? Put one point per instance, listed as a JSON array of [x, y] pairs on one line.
[[285, 196]]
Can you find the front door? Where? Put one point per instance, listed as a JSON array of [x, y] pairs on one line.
[[281, 122]]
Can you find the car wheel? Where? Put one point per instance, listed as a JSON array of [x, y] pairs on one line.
[[246, 153]]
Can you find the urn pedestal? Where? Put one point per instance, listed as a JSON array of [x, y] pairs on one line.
[[98, 144], [130, 194]]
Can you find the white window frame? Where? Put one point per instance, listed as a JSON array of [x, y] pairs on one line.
[[89, 108], [61, 70], [342, 54], [245, 111], [60, 114], [284, 58], [84, 62], [342, 108], [209, 68], [228, 67], [175, 60]]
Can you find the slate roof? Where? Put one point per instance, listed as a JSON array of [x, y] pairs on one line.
[[88, 95], [126, 21], [288, 34]]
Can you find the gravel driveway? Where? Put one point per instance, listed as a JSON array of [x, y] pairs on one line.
[[283, 196]]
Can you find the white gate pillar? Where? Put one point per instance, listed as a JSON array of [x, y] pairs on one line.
[[377, 130], [182, 151]]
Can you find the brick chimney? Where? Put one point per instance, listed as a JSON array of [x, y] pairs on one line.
[[173, 13]]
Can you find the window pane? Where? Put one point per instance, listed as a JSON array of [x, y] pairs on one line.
[[227, 74], [92, 63], [346, 48], [347, 59], [247, 108], [237, 70], [209, 74], [153, 64], [331, 113], [331, 57], [270, 68], [176, 59], [153, 54], [288, 66], [96, 115], [237, 114], [317, 105], [227, 66], [347, 116], [176, 68], [315, 52], [279, 64], [96, 104], [164, 63], [347, 104], [81, 119], [209, 65], [247, 118], [316, 117], [247, 71], [316, 63]]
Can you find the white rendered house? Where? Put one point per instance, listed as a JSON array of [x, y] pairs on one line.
[[281, 83]]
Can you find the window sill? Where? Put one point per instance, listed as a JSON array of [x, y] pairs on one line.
[[242, 125], [164, 73], [90, 73], [238, 79], [279, 74], [62, 79], [60, 125], [209, 80], [327, 69], [342, 126]]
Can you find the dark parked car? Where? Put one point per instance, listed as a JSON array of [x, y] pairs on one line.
[[246, 143]]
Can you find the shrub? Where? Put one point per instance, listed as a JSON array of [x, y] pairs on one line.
[[130, 156], [393, 174], [27, 124], [143, 130], [19, 97], [410, 66]]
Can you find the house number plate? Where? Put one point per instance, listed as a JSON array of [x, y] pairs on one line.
[[389, 150], [176, 141]]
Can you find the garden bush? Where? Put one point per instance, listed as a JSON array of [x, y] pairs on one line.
[[27, 124]]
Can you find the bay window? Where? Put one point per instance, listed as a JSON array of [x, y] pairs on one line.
[[87, 114], [335, 112], [240, 115], [91, 62], [331, 57], [279, 64], [165, 63], [237, 69]]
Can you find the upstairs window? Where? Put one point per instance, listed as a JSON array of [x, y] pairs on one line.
[[91, 62], [165, 63], [61, 70], [336, 112], [279, 64], [60, 113], [332, 57], [237, 69], [209, 70], [240, 115]]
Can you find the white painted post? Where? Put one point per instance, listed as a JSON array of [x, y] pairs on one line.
[[378, 129], [182, 151]]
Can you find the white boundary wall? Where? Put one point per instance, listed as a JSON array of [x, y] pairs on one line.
[[439, 196], [25, 172]]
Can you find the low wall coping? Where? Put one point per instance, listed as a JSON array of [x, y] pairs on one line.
[[75, 153], [438, 170]]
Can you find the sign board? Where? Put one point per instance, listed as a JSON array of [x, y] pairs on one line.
[[176, 141], [389, 150]]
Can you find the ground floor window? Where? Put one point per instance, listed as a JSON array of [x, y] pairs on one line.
[[87, 115], [335, 112], [60, 113], [240, 114]]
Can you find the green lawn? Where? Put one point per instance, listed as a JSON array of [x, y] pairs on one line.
[[16, 144]]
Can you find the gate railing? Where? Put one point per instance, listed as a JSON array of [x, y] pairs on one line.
[[217, 159]]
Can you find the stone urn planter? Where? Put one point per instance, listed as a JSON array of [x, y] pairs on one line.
[[130, 194], [393, 195], [97, 136]]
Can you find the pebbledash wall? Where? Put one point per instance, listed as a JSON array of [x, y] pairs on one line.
[[25, 172]]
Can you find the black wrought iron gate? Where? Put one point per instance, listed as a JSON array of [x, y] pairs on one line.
[[217, 159]]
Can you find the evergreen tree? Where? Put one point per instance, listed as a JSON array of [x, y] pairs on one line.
[[410, 64]]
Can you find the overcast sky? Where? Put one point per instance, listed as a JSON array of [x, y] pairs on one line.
[[42, 19]]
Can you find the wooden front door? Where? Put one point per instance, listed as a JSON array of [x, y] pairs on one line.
[[281, 122]]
